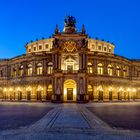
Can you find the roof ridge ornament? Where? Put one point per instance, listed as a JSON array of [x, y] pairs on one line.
[[83, 29], [56, 29]]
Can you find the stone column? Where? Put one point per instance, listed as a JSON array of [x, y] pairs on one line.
[[80, 61], [44, 67], [59, 62], [33, 68], [17, 70], [82, 95], [24, 69]]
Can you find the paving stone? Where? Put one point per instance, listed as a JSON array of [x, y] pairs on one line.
[[69, 122]]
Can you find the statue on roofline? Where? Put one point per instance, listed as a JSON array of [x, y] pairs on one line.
[[70, 24], [70, 21]]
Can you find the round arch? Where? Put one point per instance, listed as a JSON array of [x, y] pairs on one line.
[[70, 90]]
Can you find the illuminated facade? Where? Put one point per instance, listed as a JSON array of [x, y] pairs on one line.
[[69, 67]]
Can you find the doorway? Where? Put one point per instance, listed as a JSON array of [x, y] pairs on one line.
[[100, 95], [69, 93], [28, 95], [110, 95]]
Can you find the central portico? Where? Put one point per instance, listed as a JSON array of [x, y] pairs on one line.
[[70, 91], [70, 64]]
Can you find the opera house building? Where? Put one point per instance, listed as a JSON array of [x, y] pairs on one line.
[[70, 67]]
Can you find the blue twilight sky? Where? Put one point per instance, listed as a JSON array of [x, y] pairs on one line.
[[114, 20]]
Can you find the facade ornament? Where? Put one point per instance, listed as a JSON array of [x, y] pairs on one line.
[[84, 43], [70, 25], [56, 29], [70, 21], [81, 86], [83, 29]]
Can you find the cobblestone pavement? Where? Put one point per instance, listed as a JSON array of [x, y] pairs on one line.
[[14, 115], [119, 115], [69, 122]]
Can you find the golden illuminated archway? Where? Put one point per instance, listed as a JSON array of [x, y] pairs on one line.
[[70, 90]]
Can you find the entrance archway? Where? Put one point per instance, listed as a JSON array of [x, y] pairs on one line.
[[70, 91]]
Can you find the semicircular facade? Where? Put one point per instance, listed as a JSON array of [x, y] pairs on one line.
[[69, 67]]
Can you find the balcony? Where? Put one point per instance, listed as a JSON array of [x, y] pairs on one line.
[[69, 71]]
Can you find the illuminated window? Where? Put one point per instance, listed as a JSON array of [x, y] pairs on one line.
[[50, 68], [100, 68], [99, 47], [90, 88], [124, 72], [34, 48], [93, 47], [29, 70], [49, 87], [110, 49], [90, 70], [40, 47], [105, 49], [21, 70], [138, 74], [47, 46], [110, 70], [14, 72], [118, 71], [1, 73], [29, 50], [39, 69]]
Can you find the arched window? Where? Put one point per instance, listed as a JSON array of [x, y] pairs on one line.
[[110, 70], [21, 70], [124, 72], [138, 74], [118, 71], [29, 70], [90, 88], [50, 68], [100, 47], [39, 69], [49, 87], [1, 73], [90, 70], [14, 72], [90, 92], [100, 68]]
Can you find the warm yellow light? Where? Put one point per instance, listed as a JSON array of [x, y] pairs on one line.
[[128, 89], [10, 89], [39, 88], [121, 89], [134, 90], [28, 89], [5, 89], [65, 91], [110, 89], [62, 67], [100, 88], [18, 89], [74, 91]]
